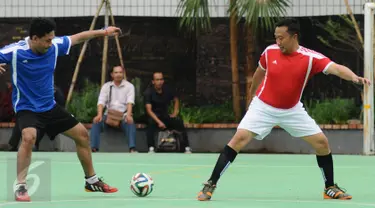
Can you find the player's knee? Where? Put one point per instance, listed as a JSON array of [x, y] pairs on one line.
[[241, 137], [322, 145], [84, 136], [28, 137]]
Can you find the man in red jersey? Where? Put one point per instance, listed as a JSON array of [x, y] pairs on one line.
[[283, 71]]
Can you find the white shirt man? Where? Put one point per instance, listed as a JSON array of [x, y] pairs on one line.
[[117, 95]]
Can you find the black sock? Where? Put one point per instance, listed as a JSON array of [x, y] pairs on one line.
[[225, 159], [326, 166]]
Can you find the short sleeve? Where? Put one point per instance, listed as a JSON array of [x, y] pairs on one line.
[[130, 97], [63, 45], [6, 53], [263, 60], [104, 94], [320, 63], [173, 93], [147, 96]]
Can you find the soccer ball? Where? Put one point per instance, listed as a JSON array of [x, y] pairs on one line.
[[141, 184]]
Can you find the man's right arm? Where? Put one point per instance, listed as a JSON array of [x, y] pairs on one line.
[[259, 74], [147, 100], [6, 56], [152, 114], [102, 100], [257, 79]]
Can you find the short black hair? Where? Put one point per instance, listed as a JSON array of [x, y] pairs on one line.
[[41, 26], [292, 25], [157, 72], [113, 68]]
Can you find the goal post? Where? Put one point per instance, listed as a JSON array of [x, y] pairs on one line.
[[368, 94]]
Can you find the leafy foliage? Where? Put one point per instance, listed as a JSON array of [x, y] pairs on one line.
[[340, 31], [83, 103], [333, 111], [208, 114], [195, 15], [139, 107], [269, 12]]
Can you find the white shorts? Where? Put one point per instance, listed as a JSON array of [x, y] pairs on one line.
[[261, 118]]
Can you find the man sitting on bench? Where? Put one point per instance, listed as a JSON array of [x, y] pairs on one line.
[[157, 100], [117, 97]]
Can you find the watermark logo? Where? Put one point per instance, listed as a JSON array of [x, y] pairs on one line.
[[38, 179]]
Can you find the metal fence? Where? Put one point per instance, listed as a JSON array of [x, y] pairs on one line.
[[157, 8]]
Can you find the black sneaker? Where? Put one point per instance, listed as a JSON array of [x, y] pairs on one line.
[[100, 186], [207, 191], [335, 192]]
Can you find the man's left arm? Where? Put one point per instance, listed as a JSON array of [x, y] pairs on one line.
[[345, 73], [176, 107], [90, 34], [64, 43], [321, 63]]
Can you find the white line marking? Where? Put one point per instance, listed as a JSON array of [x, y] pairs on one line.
[[200, 165], [190, 199]]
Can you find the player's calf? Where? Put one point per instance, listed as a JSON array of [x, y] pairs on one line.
[[319, 142], [24, 153], [240, 139]]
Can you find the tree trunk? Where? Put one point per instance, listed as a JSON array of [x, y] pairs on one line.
[[234, 62], [249, 67]]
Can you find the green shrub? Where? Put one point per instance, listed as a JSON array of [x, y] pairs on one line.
[[83, 104], [333, 111], [208, 114]]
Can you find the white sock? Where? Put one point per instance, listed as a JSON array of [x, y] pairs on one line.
[[93, 179]]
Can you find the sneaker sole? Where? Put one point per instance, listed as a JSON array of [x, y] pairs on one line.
[[203, 198], [23, 200], [108, 192], [343, 198]]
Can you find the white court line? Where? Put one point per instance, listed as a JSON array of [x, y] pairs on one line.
[[199, 165], [9, 204]]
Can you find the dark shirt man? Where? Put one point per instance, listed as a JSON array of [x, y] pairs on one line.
[[157, 100]]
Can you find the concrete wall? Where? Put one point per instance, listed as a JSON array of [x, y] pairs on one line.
[[213, 140]]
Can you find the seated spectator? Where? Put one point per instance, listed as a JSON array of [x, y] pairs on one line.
[[15, 138], [6, 107], [157, 100], [117, 97]]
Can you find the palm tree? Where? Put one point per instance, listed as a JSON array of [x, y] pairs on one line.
[[195, 16], [269, 11]]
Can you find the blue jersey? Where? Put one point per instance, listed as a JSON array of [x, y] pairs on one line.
[[32, 74]]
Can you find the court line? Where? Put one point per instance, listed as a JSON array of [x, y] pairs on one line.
[[191, 199], [207, 165]]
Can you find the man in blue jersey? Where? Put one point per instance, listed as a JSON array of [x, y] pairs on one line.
[[33, 62]]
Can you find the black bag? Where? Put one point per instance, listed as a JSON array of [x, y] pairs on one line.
[[169, 141]]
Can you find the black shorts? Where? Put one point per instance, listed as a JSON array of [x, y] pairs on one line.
[[53, 122]]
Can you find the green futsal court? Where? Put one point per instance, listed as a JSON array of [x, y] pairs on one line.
[[284, 181]]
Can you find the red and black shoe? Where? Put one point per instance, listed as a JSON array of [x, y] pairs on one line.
[[100, 186], [21, 194]]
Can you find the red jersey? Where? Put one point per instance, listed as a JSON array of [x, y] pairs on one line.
[[287, 75]]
